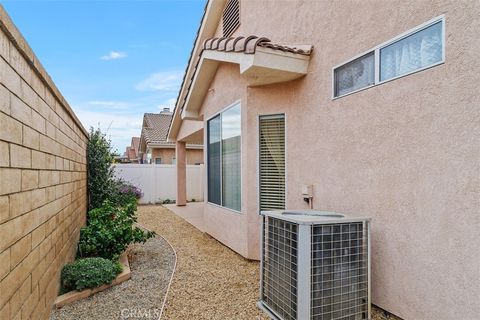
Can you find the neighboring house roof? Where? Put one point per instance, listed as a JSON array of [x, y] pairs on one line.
[[249, 44], [155, 130], [135, 144], [155, 127], [131, 151]]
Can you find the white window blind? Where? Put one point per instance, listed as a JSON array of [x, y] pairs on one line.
[[272, 162]]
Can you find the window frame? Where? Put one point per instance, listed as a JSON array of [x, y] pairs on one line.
[[214, 115], [376, 55], [259, 116]]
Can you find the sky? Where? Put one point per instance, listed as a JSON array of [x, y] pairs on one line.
[[112, 60]]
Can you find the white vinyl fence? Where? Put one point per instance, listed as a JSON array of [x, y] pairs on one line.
[[159, 181]]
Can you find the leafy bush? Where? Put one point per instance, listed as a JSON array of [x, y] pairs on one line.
[[110, 230], [88, 273], [100, 170]]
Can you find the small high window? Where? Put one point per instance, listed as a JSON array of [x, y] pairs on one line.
[[416, 50], [355, 75]]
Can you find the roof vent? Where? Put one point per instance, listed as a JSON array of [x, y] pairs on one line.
[[166, 110], [231, 17]]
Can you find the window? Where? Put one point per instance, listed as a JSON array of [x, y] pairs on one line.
[[174, 160], [417, 49], [355, 75], [158, 160], [272, 162], [224, 158]]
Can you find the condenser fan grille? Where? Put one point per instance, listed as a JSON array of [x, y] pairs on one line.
[[339, 271], [279, 290]]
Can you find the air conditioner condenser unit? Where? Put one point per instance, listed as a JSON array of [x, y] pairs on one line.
[[315, 266]]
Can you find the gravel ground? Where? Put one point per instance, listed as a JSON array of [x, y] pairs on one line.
[[211, 281], [141, 297]]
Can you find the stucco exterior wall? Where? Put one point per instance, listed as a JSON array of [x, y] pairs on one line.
[[404, 153], [166, 154], [194, 156], [43, 186]]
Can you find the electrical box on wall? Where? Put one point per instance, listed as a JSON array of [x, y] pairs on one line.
[[307, 191]]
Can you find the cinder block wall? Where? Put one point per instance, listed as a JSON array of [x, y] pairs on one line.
[[43, 186]]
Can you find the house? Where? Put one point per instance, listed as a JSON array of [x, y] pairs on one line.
[[130, 154], [154, 147], [373, 105]]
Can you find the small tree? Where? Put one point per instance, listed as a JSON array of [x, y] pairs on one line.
[[100, 170]]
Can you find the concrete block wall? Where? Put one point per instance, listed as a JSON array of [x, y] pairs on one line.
[[43, 186]]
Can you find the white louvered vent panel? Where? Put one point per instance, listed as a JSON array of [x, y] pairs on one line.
[[231, 17], [272, 162]]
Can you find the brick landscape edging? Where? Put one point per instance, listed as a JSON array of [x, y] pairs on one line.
[[73, 296]]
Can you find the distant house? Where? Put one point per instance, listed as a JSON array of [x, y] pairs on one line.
[[131, 152], [153, 144]]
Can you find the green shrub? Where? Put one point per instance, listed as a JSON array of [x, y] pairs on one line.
[[110, 230], [88, 273], [100, 170]]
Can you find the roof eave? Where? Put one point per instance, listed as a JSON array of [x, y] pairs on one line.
[[263, 67], [208, 26]]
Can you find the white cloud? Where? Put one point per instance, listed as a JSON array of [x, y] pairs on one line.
[[114, 55], [120, 128], [161, 81], [117, 105]]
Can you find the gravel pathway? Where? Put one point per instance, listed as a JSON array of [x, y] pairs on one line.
[[211, 281], [141, 297]]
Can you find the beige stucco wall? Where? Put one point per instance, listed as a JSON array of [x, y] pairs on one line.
[[194, 156], [166, 154], [405, 153], [43, 195]]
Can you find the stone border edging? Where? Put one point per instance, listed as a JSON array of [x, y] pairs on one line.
[[73, 296], [173, 270]]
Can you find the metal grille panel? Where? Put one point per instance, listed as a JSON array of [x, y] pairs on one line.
[[280, 267], [339, 271]]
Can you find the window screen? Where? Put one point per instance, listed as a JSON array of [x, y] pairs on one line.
[[214, 169], [224, 158], [231, 159]]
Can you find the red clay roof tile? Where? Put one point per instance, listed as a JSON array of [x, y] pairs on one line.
[[249, 44]]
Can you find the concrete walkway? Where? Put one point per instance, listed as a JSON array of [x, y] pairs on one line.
[[192, 213]]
